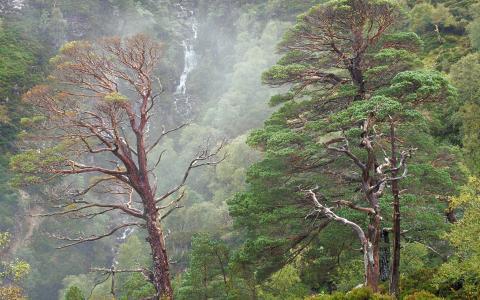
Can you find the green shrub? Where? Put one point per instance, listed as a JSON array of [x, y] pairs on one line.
[[422, 295], [74, 293]]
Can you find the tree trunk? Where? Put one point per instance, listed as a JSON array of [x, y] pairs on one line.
[[450, 214], [224, 272], [385, 256], [373, 254], [395, 270], [372, 274], [356, 73], [156, 239], [161, 272]]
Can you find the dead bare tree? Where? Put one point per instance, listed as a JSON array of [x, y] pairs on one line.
[[94, 120]]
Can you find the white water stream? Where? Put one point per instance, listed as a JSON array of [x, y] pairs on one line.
[[120, 240], [183, 103]]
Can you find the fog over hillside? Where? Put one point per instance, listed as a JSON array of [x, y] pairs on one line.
[[239, 149]]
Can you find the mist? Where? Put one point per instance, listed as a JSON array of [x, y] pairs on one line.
[[268, 128], [213, 56]]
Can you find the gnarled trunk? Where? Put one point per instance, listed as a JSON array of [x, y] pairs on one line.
[[372, 274], [356, 73], [161, 270], [160, 276]]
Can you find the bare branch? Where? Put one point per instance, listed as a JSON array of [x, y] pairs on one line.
[[345, 150], [327, 212], [164, 133], [203, 158], [172, 205], [113, 270], [380, 186], [88, 205], [158, 160], [81, 240], [78, 168], [350, 204]]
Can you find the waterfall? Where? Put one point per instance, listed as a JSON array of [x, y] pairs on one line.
[[125, 234], [120, 240], [183, 103]]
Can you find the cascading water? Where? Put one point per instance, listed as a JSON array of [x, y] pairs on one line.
[[120, 240], [183, 103]]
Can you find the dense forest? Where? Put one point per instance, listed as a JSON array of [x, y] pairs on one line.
[[239, 149]]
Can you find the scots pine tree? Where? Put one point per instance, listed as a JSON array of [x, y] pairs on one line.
[[354, 125]]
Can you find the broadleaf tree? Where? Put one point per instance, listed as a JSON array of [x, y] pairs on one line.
[[459, 274], [12, 272]]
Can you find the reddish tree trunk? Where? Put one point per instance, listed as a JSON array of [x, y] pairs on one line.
[[156, 239], [161, 269], [356, 73]]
